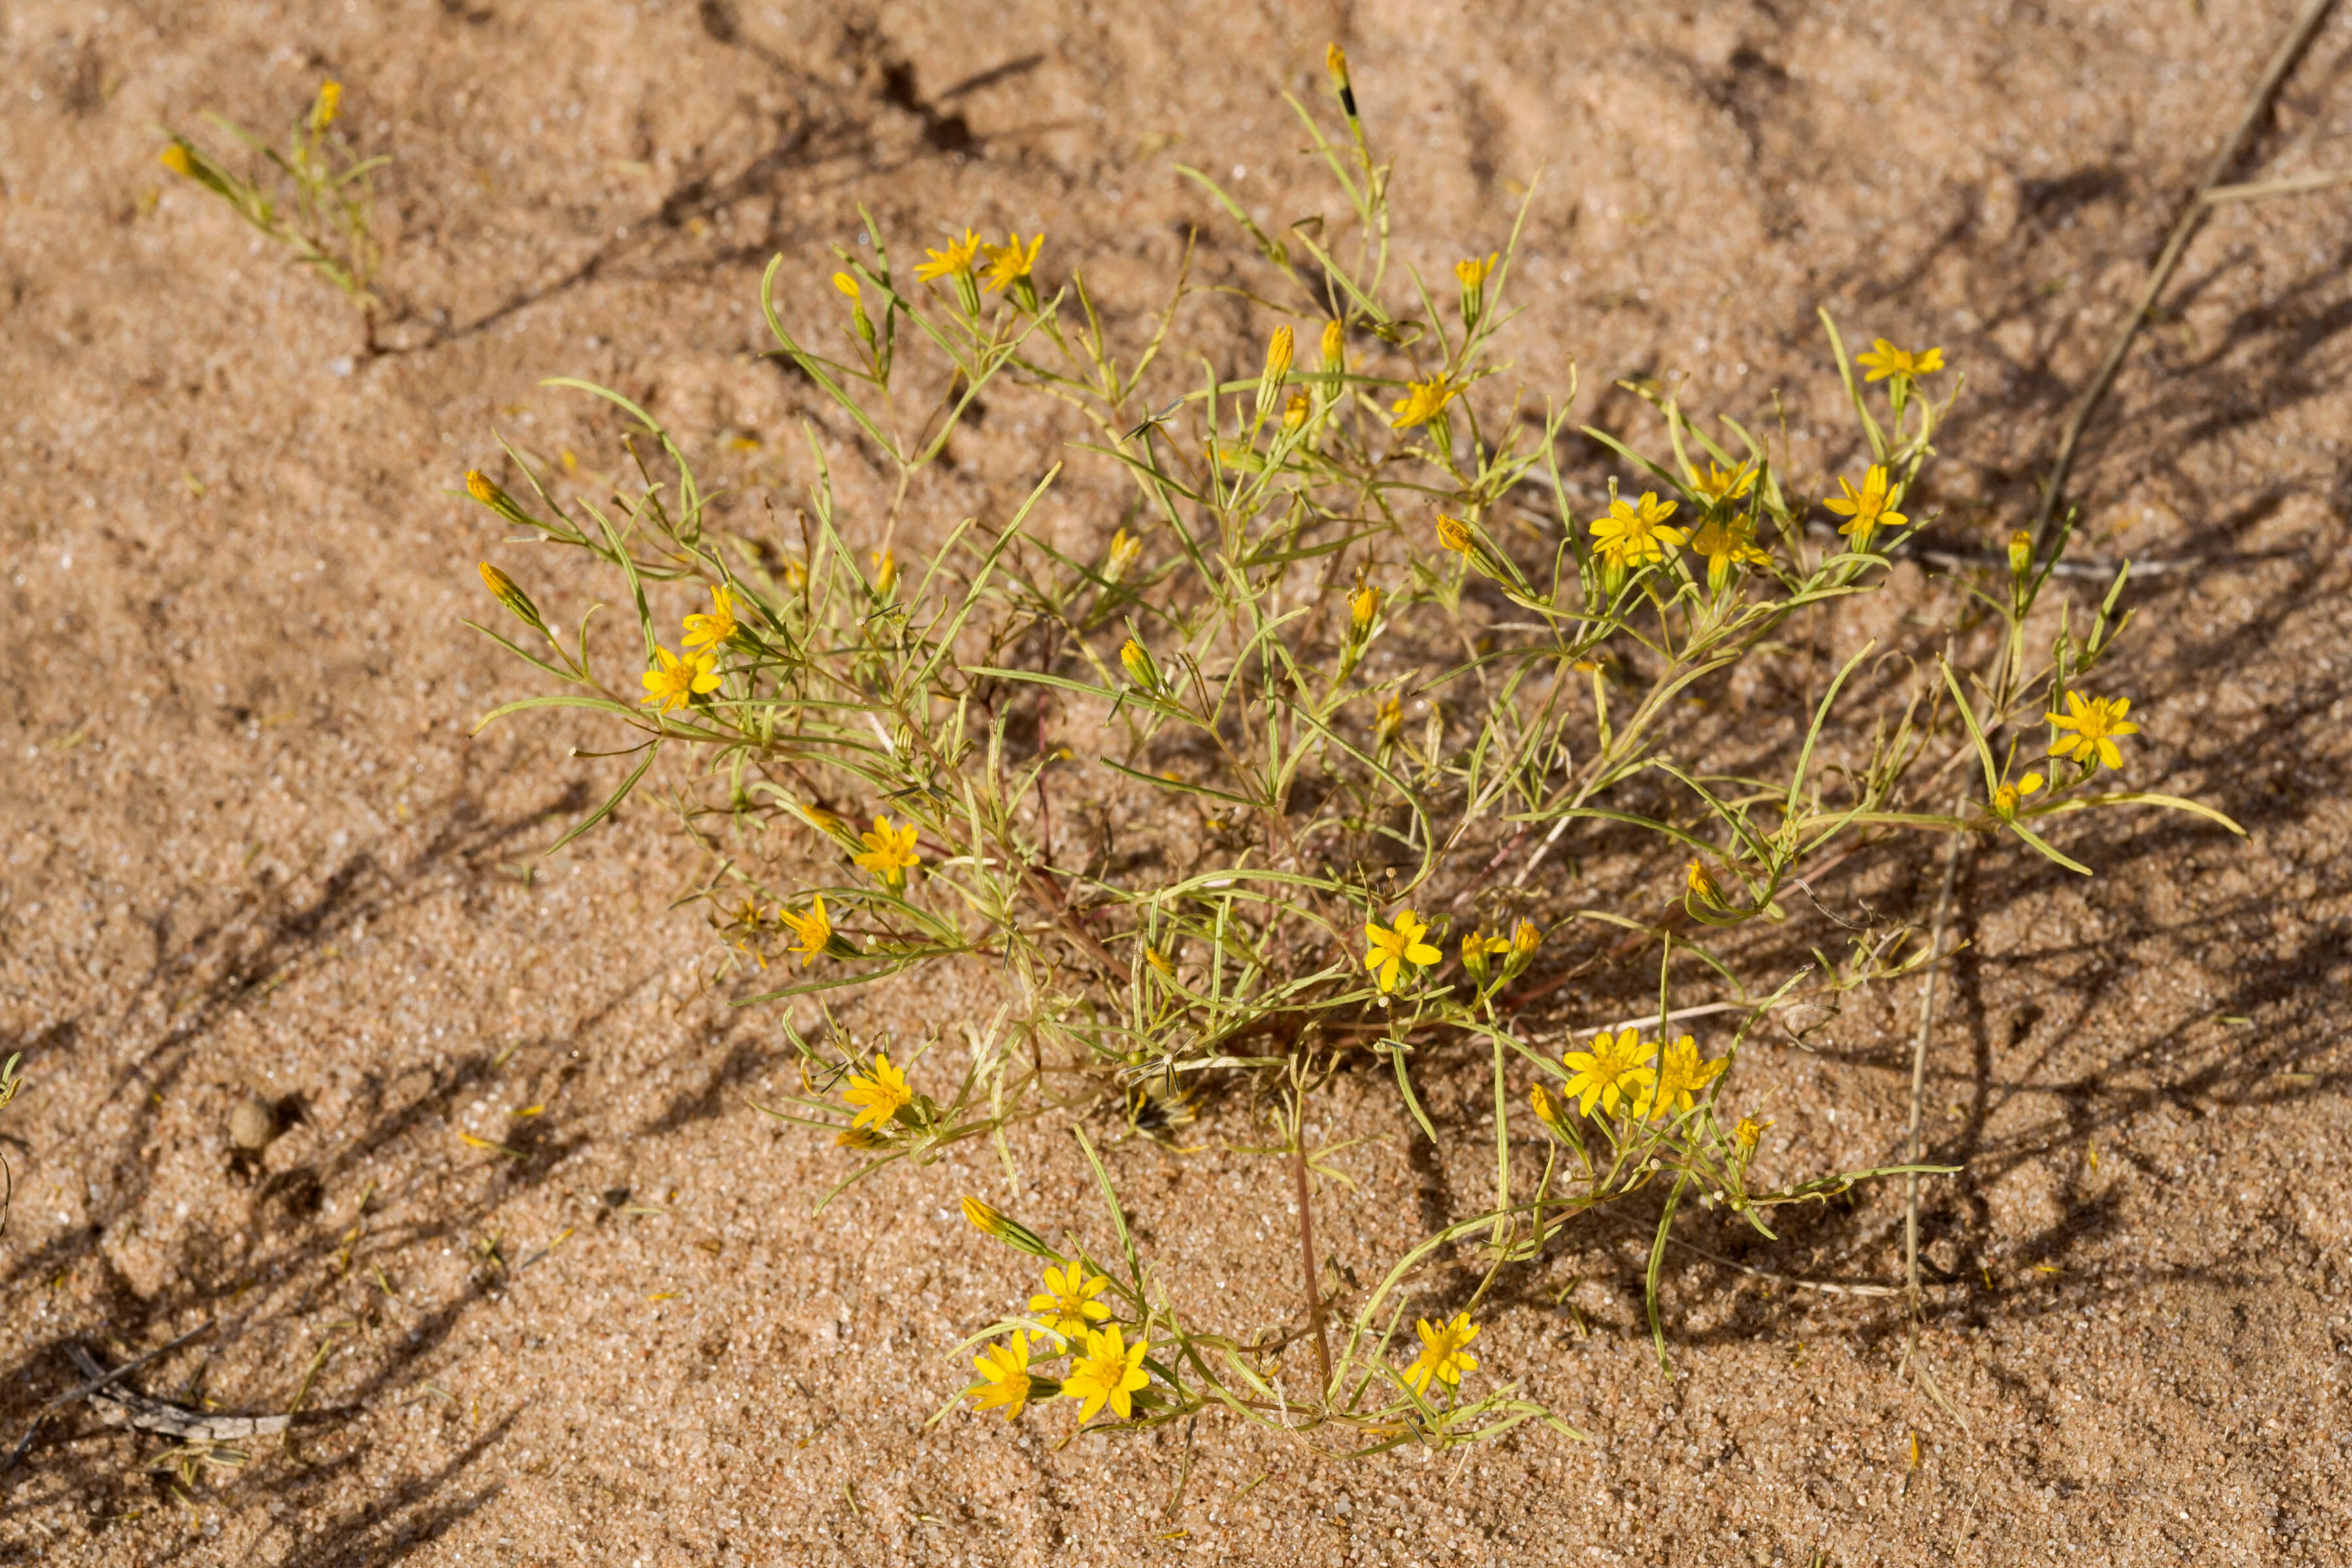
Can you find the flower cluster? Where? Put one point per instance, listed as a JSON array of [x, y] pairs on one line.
[[1069, 1319]]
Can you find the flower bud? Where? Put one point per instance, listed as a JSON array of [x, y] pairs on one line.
[[1474, 956], [1135, 660], [1276, 371], [1389, 722], [1702, 886], [989, 1220], [175, 158], [1472, 273], [1453, 534], [1525, 940], [2020, 554], [1363, 607], [331, 99], [1335, 345], [1541, 1103], [1295, 412], [512, 597], [886, 572]]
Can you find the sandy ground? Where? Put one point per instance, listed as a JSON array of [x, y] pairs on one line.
[[250, 848]]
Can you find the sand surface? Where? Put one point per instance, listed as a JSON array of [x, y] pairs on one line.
[[250, 849]]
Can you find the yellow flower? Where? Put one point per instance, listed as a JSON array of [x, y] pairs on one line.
[[674, 682], [811, 932], [2006, 799], [1748, 1134], [1476, 948], [1634, 533], [1295, 412], [956, 257], [1867, 509], [1390, 949], [886, 572], [747, 913], [1680, 1076], [481, 486], [1009, 262], [1453, 534], [1121, 559], [1362, 606], [1444, 1353], [1109, 1372], [1135, 660], [511, 597], [1724, 542], [708, 631], [1067, 1303], [1701, 883], [848, 285], [1004, 1376], [331, 99], [1278, 348], [1473, 272], [1387, 720], [1159, 961], [1422, 402], [2095, 725], [1335, 345], [1610, 1073], [878, 1094], [175, 158], [1525, 940], [1335, 61], [1547, 1110], [859, 1138], [1885, 359], [2021, 553], [1717, 486], [889, 852]]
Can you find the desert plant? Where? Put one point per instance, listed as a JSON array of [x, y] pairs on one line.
[[314, 202], [1353, 626]]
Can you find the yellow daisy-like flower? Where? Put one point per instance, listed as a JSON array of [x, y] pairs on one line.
[[1681, 1075], [1110, 1371], [1608, 1075], [1885, 359], [1004, 1376], [2095, 725], [1867, 509], [1422, 401], [1453, 534], [956, 257], [889, 852], [1444, 1353], [1635, 533], [1009, 262], [1388, 950], [1067, 1303], [708, 631], [1717, 486], [1724, 542], [674, 682], [2006, 799], [878, 1095], [811, 932]]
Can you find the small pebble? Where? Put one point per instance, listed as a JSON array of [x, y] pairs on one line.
[[253, 1123]]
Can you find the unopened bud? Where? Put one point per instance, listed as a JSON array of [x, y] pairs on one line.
[[1363, 606], [331, 99], [1335, 345], [1453, 534], [1702, 885], [1276, 371], [2020, 554], [886, 572], [1135, 660], [512, 597], [990, 1220]]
